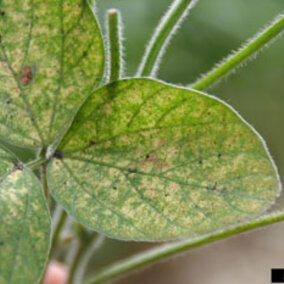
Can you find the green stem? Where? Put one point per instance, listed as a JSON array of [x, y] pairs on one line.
[[162, 35], [44, 181], [156, 254], [56, 234], [229, 64], [115, 46], [36, 163], [85, 258], [57, 231], [87, 245], [80, 251]]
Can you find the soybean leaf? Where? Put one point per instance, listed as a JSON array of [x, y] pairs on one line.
[[24, 224], [51, 58], [144, 160]]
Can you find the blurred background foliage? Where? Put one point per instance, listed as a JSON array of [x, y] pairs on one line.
[[210, 32]]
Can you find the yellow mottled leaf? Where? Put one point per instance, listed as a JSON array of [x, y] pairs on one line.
[[51, 59], [24, 224], [144, 160]]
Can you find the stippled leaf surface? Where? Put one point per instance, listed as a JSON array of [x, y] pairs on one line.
[[51, 58], [144, 160], [24, 225]]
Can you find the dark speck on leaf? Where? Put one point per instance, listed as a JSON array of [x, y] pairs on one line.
[[166, 194], [18, 165], [92, 142], [114, 188], [58, 155], [147, 156], [219, 155], [0, 38], [1, 243], [214, 187], [200, 162], [132, 171], [85, 53], [2, 13]]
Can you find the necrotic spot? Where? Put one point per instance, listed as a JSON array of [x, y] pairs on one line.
[[26, 76]]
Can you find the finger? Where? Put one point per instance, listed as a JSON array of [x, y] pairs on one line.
[[56, 273]]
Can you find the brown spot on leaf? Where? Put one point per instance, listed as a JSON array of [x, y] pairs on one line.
[[153, 159], [152, 192], [162, 142], [26, 75]]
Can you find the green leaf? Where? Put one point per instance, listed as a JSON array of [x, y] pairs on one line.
[[144, 160], [51, 59], [24, 224]]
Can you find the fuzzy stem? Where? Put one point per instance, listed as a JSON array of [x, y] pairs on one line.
[[229, 64], [85, 258], [80, 251], [43, 168], [36, 163], [58, 230], [162, 35], [156, 254], [87, 245], [115, 46]]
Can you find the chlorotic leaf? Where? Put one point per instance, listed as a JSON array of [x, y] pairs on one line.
[[144, 160], [51, 59], [24, 224]]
